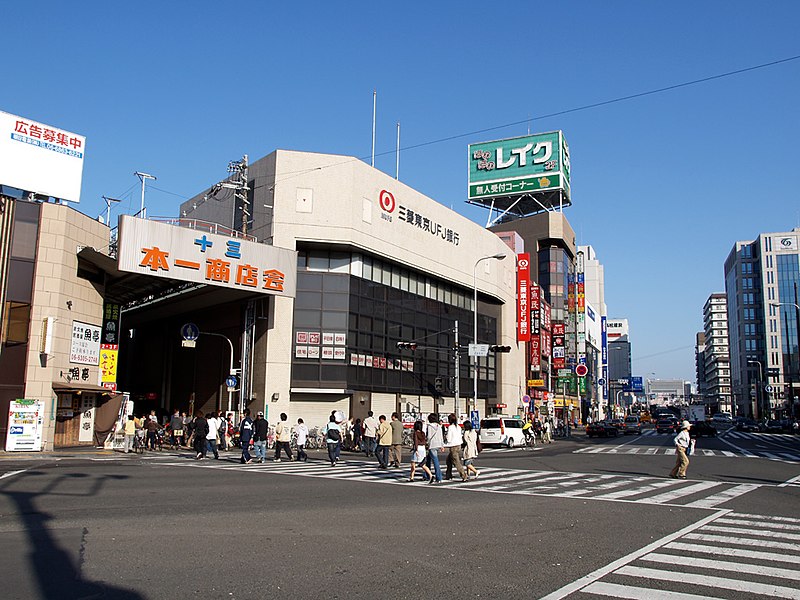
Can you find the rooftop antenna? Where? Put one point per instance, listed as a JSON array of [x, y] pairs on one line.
[[109, 202], [374, 109], [143, 176]]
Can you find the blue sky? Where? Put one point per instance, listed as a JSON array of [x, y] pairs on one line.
[[662, 185]]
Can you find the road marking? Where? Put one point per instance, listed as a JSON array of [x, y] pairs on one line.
[[723, 496], [728, 552], [792, 481], [641, 490], [743, 531], [758, 523], [701, 537], [768, 518], [12, 473], [721, 565], [684, 491], [629, 558], [711, 581], [615, 590]]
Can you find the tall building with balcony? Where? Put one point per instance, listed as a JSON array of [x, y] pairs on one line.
[[762, 284], [716, 390]]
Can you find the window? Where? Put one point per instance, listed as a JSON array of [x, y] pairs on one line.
[[18, 317]]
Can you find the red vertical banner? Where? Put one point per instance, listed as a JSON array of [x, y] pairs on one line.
[[536, 354], [523, 297]]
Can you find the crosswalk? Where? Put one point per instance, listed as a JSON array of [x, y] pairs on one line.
[[603, 487], [783, 438], [778, 454], [725, 555]]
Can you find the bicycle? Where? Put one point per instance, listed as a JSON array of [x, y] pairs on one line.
[[139, 442], [312, 443], [408, 438]]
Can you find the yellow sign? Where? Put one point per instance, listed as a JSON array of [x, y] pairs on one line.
[[535, 382], [108, 365]]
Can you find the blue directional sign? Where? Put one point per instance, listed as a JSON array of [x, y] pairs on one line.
[[190, 332], [231, 381]]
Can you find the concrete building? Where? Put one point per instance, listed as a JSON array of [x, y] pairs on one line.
[[700, 363], [716, 382], [762, 286]]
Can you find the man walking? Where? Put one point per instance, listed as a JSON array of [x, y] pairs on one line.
[[245, 435], [302, 436], [384, 434], [213, 433], [370, 430], [453, 447], [260, 434], [682, 441], [396, 451], [176, 429], [283, 435]]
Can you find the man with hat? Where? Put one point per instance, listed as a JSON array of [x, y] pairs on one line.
[[682, 442], [260, 434]]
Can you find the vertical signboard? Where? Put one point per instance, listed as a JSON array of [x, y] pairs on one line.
[[604, 356], [523, 303], [25, 423], [535, 306], [109, 346]]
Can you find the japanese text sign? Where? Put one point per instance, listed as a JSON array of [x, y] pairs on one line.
[[523, 300], [39, 158], [170, 252]]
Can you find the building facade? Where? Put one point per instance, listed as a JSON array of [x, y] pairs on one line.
[[762, 281], [716, 388]]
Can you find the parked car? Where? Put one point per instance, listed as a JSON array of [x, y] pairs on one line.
[[701, 428], [666, 425], [632, 425], [601, 429], [748, 425], [773, 426], [502, 431]]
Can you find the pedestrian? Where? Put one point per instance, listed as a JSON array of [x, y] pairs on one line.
[[384, 436], [175, 429], [283, 437], [357, 441], [130, 433], [187, 429], [200, 429], [435, 441], [212, 437], [453, 446], [547, 432], [302, 437], [333, 439], [260, 435], [682, 442], [222, 442], [370, 430], [418, 455], [245, 435], [471, 449], [151, 427], [396, 451]]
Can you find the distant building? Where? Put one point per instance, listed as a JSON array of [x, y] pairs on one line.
[[700, 364], [716, 391], [762, 283], [668, 392]]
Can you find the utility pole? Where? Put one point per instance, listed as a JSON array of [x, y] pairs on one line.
[[237, 181]]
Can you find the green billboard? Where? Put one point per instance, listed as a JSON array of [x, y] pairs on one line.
[[528, 164]]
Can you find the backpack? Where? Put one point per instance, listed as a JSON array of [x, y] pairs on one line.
[[335, 435]]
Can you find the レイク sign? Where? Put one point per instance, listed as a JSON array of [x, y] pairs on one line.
[[166, 251], [527, 164]]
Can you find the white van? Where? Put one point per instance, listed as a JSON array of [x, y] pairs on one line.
[[499, 430]]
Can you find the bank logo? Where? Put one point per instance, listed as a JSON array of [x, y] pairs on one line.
[[788, 243], [386, 201]]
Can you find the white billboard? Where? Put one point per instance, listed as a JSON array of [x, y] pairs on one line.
[[38, 158], [183, 254]]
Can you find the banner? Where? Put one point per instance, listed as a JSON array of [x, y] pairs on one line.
[[25, 423], [523, 290]]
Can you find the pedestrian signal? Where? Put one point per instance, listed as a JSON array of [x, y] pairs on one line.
[[438, 383]]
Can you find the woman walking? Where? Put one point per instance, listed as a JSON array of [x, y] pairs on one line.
[[418, 456], [435, 442], [470, 449]]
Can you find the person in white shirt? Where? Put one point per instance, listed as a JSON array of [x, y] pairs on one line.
[[283, 437], [682, 441], [370, 433], [213, 433], [302, 435], [453, 446]]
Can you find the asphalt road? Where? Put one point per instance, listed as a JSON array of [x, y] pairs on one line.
[[578, 518]]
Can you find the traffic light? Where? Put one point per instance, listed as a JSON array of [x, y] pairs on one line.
[[438, 384], [406, 346], [495, 348]]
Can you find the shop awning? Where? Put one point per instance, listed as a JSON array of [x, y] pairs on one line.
[[77, 386]]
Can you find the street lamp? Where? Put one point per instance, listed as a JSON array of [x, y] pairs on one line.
[[616, 403], [498, 256], [789, 348], [760, 386]]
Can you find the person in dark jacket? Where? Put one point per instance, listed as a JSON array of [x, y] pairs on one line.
[[200, 429], [245, 435], [260, 433]]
